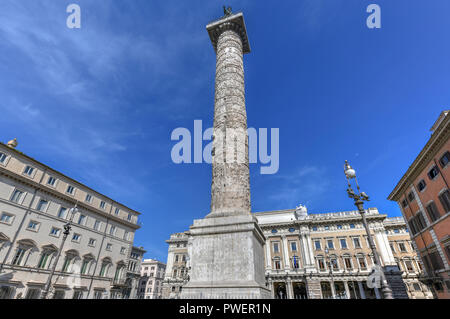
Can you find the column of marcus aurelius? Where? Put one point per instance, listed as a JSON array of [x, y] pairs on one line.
[[226, 247]]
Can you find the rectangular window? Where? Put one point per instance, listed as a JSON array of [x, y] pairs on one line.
[[293, 246], [112, 230], [433, 212], [81, 220], [55, 231], [445, 200], [392, 248], [433, 172], [277, 264], [33, 293], [421, 185], [436, 261], [6, 218], [125, 235], [2, 158], [352, 226], [97, 294], [122, 250], [404, 203], [129, 217], [334, 263], [411, 197], [276, 248], [356, 243], [321, 264], [102, 205], [28, 170], [16, 196], [339, 226], [51, 181], [317, 244], [409, 266], [59, 294], [70, 189], [76, 237], [88, 198], [402, 247], [97, 225], [343, 243], [444, 159], [62, 212], [330, 244], [362, 263], [33, 225], [92, 242], [314, 228], [77, 294], [348, 263], [42, 205], [108, 247], [117, 211]]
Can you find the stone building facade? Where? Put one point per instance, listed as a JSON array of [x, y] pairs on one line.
[[35, 204], [297, 265], [130, 290], [151, 281], [423, 196], [176, 275]]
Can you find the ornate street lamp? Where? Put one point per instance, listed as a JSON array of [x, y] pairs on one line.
[[359, 199], [67, 228]]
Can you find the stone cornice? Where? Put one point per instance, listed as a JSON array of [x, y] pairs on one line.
[[44, 189], [49, 169], [235, 23], [437, 139]]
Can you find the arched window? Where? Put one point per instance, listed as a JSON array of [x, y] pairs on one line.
[[24, 248], [104, 269], [348, 263], [47, 255], [69, 260], [86, 264], [321, 263]]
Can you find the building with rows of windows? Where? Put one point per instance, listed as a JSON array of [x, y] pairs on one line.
[[152, 276], [305, 254], [424, 199], [36, 202]]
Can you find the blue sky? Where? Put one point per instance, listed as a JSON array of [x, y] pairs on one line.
[[99, 103]]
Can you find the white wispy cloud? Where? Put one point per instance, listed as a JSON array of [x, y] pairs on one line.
[[305, 185]]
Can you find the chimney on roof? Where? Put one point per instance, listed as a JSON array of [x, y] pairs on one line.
[[13, 143]]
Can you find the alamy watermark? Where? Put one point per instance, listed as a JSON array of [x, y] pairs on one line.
[[227, 146]]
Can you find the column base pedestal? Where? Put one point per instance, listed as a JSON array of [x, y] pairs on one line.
[[226, 259]]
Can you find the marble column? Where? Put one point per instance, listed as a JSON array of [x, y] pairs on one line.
[[361, 290], [227, 254], [347, 291], [289, 289], [377, 293], [287, 264], [268, 255]]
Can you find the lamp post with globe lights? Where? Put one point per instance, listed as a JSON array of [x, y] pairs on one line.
[[359, 199], [67, 228]]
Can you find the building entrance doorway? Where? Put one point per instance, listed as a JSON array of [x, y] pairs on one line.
[[300, 290], [280, 290]]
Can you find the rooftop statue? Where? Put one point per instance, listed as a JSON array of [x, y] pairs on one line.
[[227, 11]]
